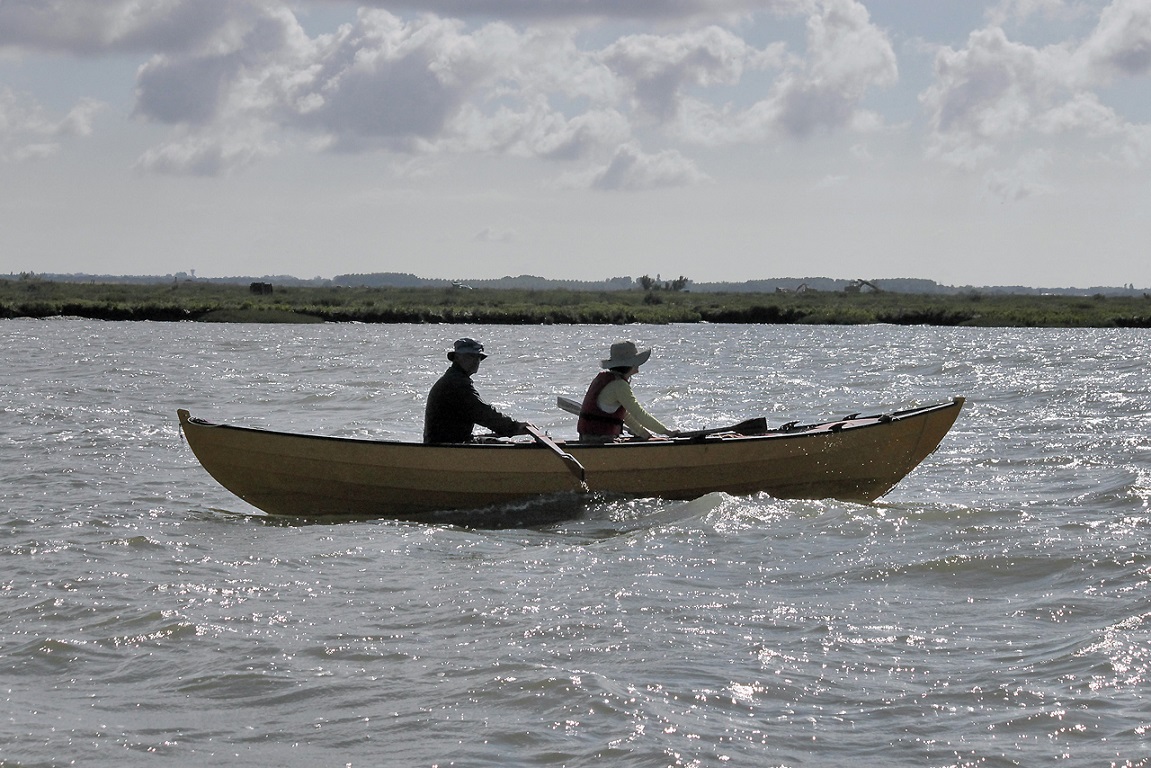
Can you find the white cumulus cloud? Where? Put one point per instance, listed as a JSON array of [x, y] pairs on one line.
[[997, 92], [632, 169], [28, 130]]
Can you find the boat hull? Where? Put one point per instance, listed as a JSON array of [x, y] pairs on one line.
[[858, 459]]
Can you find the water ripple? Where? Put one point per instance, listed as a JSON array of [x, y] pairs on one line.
[[992, 610]]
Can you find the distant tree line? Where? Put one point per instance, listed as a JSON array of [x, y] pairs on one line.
[[645, 283], [655, 284]]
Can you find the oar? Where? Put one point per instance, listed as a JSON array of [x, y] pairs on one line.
[[756, 426], [570, 461], [571, 406]]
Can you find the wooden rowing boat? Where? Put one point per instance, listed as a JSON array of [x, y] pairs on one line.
[[857, 458]]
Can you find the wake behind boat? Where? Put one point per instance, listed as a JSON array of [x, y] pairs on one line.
[[858, 458]]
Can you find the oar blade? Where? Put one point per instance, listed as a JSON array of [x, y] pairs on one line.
[[567, 404], [576, 468], [749, 427], [756, 426]]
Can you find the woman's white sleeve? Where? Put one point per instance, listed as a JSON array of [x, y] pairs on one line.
[[637, 419]]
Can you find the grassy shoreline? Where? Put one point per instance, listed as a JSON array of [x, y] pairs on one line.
[[215, 302]]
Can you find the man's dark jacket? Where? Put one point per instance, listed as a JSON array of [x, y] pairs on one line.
[[454, 407]]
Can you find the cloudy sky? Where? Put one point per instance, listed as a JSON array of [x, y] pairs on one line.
[[969, 142]]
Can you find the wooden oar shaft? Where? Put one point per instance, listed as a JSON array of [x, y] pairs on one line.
[[569, 461]]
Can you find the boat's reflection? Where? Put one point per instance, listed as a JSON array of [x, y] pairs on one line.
[[538, 512]]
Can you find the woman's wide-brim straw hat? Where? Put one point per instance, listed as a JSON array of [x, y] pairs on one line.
[[625, 355]]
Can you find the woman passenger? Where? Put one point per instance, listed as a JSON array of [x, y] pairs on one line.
[[609, 404]]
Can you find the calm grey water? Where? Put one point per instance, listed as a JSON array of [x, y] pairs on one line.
[[993, 610]]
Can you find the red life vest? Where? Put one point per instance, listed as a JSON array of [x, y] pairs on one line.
[[593, 420]]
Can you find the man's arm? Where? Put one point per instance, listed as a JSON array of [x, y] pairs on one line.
[[486, 415]]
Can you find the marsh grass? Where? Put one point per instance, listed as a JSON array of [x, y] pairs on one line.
[[218, 302]]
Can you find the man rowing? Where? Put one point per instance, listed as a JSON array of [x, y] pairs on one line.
[[454, 407]]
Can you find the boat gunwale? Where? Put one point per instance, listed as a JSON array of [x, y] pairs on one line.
[[817, 429]]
